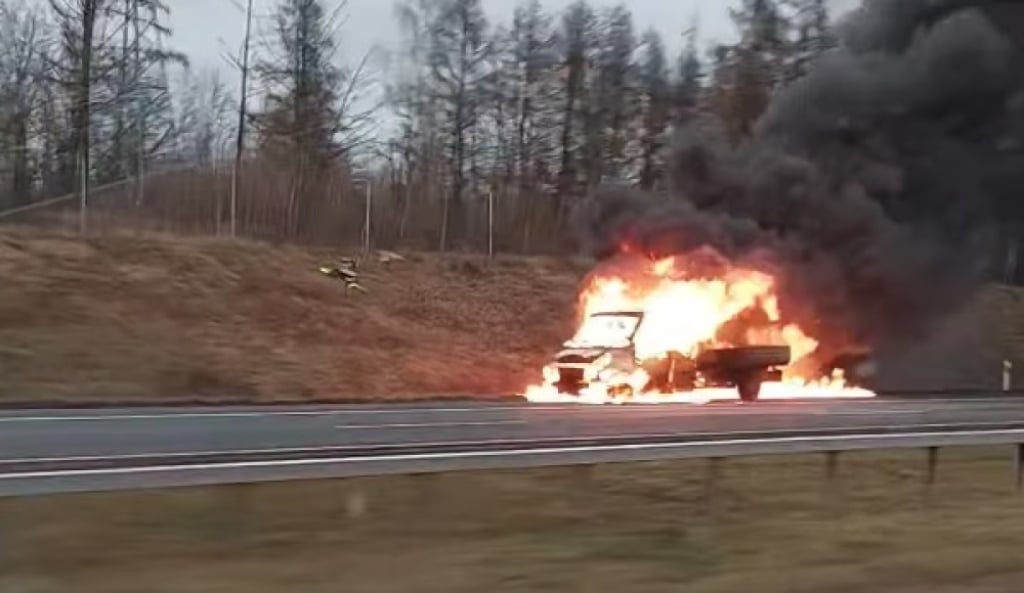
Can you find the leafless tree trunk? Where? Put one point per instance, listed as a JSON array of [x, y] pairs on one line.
[[83, 117], [242, 105], [140, 120], [22, 39]]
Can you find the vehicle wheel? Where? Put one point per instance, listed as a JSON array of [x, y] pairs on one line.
[[749, 388]]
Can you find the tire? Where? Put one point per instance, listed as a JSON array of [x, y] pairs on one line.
[[744, 357], [749, 388]]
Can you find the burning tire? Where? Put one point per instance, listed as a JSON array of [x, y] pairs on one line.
[[749, 387], [746, 367], [744, 358]]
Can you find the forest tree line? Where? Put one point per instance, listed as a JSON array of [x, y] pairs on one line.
[[513, 120]]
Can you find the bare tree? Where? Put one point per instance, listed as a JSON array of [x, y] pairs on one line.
[[133, 110], [77, 22], [116, 92], [614, 152], [458, 52], [578, 29], [22, 51], [535, 57], [243, 99], [656, 93], [813, 34], [204, 126], [314, 118], [688, 83], [417, 145], [746, 74]]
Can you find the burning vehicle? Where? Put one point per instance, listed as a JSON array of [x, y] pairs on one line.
[[688, 328], [603, 354]]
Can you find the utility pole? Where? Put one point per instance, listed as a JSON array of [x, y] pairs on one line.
[[83, 115], [490, 224], [366, 222], [140, 132], [242, 104], [83, 190]]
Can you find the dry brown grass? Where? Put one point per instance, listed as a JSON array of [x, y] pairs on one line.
[[163, 318], [767, 527]]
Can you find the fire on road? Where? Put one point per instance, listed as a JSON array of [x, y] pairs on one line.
[[690, 329]]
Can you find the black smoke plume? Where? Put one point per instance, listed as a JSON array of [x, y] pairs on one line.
[[876, 183]]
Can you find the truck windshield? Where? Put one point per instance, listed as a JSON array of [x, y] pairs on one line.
[[605, 331]]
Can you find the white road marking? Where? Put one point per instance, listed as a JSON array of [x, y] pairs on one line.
[[869, 406], [496, 442], [327, 413], [254, 414], [427, 425], [257, 413]]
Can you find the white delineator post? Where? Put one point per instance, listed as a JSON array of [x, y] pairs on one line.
[[1007, 375]]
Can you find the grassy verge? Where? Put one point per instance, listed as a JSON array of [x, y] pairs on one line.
[[171, 319], [162, 319], [765, 525]]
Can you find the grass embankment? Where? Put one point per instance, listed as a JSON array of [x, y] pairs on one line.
[[171, 319], [766, 526]]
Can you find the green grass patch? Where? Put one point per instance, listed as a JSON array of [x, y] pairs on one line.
[[767, 525]]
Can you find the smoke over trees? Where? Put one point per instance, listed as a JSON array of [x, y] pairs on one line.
[[877, 183]]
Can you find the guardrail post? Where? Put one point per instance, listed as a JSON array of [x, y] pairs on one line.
[[932, 470], [8, 544], [705, 527], [832, 489], [355, 502], [831, 465], [1018, 463], [712, 479]]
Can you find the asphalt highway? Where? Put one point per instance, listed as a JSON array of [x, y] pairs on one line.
[[66, 435]]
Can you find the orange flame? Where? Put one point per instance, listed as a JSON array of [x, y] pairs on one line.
[[686, 312]]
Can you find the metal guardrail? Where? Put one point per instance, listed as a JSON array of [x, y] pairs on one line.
[[93, 474]]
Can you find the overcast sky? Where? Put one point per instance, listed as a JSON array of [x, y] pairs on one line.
[[206, 28]]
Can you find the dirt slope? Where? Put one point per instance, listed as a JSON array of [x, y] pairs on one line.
[[167, 318]]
